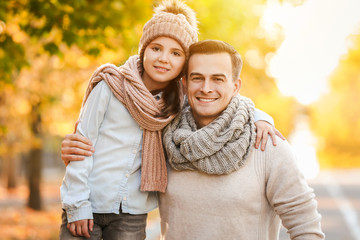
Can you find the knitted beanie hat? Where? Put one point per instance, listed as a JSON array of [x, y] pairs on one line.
[[172, 18]]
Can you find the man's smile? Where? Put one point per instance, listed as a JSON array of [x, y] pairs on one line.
[[206, 99]]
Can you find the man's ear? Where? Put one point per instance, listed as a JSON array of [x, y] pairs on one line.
[[183, 80], [237, 85]]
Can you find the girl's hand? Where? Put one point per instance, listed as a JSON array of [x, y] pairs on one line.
[[81, 228], [263, 129]]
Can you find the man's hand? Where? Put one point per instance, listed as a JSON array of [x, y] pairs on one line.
[[81, 228], [75, 147], [263, 129]]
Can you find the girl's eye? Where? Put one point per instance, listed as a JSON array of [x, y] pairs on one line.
[[155, 49], [177, 54]]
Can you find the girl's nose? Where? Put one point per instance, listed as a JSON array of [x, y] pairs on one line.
[[164, 57]]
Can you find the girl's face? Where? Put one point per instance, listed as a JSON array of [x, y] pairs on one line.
[[164, 59]]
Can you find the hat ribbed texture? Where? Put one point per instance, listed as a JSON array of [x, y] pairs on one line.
[[170, 24]]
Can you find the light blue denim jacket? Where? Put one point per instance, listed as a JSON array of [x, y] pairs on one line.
[[112, 175]]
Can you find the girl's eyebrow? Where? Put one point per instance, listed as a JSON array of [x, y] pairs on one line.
[[178, 49], [154, 43], [160, 45]]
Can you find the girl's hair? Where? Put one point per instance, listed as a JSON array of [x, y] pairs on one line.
[[173, 95]]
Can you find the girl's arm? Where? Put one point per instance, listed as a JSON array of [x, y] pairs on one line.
[[76, 147], [264, 127]]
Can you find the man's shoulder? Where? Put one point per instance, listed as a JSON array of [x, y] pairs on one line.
[[280, 144], [282, 149]]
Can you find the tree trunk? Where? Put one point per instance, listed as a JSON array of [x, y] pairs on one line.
[[34, 178], [11, 172], [34, 165]]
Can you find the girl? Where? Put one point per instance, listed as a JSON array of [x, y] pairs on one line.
[[123, 112]]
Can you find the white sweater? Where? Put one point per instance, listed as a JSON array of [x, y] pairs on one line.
[[244, 205]]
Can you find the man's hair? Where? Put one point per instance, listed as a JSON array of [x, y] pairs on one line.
[[217, 46]]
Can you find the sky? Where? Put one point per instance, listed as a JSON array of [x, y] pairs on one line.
[[316, 36]]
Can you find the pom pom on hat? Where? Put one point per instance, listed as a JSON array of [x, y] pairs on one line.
[[178, 7], [172, 18]]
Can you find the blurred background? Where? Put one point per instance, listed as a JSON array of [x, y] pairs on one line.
[[301, 65]]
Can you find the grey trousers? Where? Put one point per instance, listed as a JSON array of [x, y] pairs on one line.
[[110, 226]]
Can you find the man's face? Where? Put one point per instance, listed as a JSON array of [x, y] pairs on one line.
[[210, 86]]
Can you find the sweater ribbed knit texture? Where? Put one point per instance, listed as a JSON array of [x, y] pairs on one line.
[[127, 85], [247, 204]]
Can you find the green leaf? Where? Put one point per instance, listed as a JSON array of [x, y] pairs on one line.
[[51, 48]]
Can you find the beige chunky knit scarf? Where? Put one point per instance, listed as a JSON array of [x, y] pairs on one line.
[[127, 85], [218, 148]]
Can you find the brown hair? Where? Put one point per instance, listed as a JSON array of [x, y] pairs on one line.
[[173, 95], [217, 46]]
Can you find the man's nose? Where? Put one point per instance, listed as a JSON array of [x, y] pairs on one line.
[[207, 87]]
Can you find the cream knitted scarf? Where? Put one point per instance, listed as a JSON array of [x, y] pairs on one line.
[[127, 85], [218, 148]]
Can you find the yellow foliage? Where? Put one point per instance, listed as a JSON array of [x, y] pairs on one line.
[[335, 118], [83, 62], [21, 107], [282, 109]]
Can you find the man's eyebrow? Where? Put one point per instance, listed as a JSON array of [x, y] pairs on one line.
[[195, 73], [213, 75], [218, 75]]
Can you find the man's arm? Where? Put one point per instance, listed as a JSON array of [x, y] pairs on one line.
[[289, 194]]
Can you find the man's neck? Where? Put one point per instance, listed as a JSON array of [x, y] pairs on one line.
[[200, 123]]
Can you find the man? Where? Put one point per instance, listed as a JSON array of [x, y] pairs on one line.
[[220, 186]]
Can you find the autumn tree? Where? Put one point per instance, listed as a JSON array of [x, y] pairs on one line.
[[35, 39], [335, 118]]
